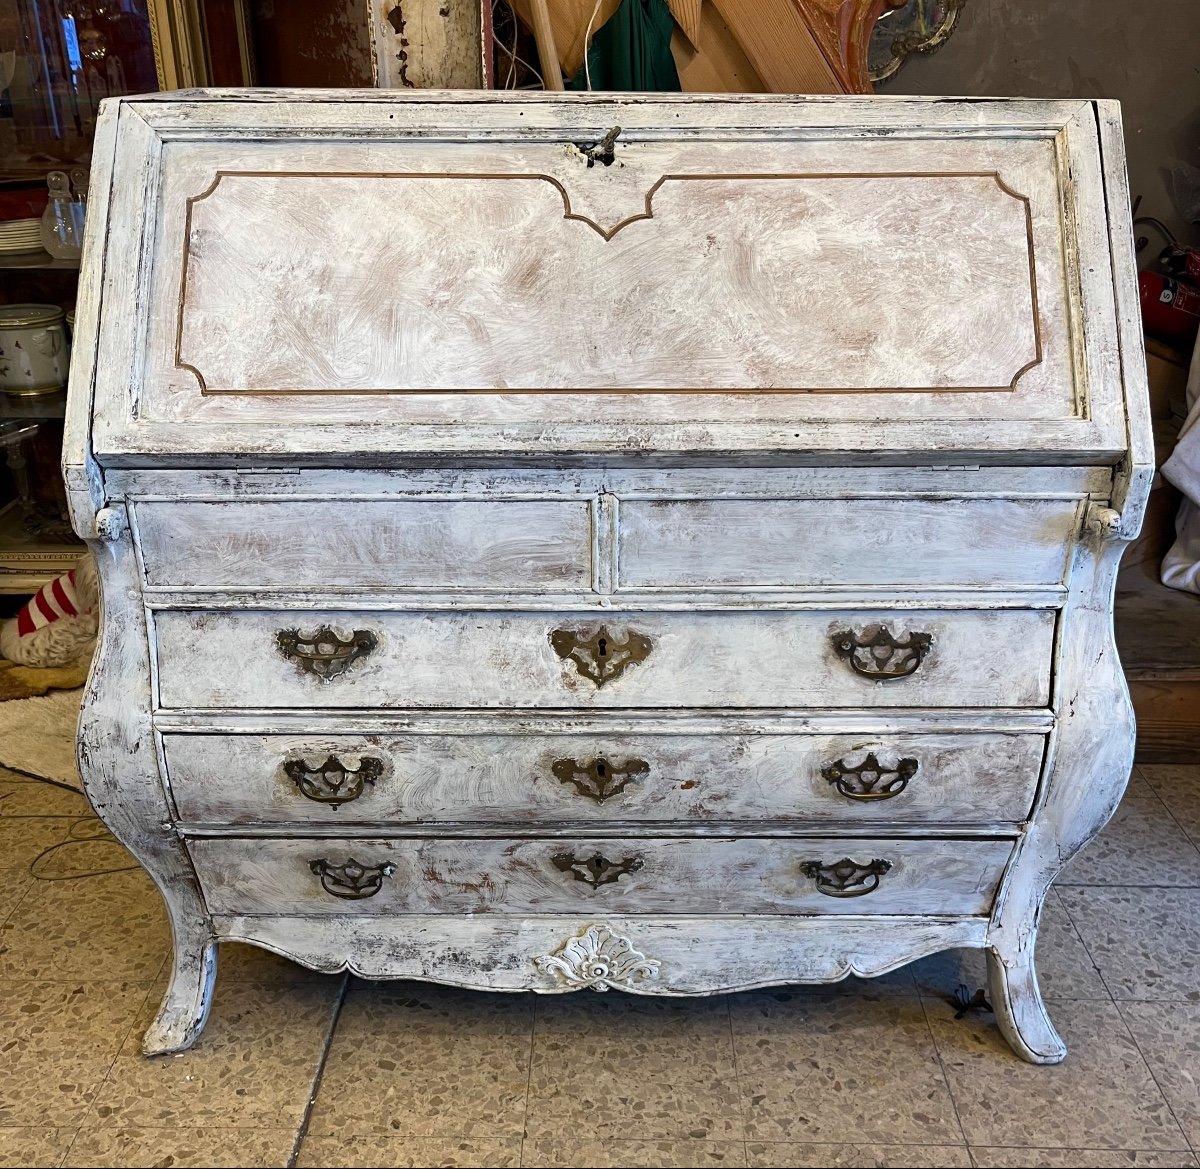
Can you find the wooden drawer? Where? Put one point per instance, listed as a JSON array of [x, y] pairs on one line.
[[214, 660], [480, 544], [265, 779], [956, 876], [730, 543]]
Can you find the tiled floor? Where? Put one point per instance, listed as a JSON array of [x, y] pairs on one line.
[[306, 1069]]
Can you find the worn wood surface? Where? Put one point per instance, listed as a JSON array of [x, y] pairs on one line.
[[213, 660], [426, 44], [119, 766], [616, 380], [266, 876], [325, 543], [527, 545], [696, 955], [736, 528], [960, 779]]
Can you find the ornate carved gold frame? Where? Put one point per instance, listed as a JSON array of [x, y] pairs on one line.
[[906, 42]]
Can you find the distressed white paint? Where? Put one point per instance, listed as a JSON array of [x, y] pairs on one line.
[[210, 660], [735, 543], [486, 952], [735, 528], [330, 544], [466, 778], [1068, 402], [519, 876], [283, 294]]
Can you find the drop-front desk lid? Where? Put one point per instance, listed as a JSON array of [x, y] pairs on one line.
[[369, 276]]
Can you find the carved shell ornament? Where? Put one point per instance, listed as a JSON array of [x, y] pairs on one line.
[[599, 959]]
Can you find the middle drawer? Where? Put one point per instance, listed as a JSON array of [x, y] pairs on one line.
[[965, 778], [247, 658]]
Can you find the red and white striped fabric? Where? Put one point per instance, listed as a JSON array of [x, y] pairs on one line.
[[58, 627], [51, 602]]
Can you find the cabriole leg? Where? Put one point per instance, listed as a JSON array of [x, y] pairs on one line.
[[188, 997], [1020, 1012]]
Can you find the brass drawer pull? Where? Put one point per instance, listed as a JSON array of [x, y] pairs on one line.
[[876, 654], [598, 779], [325, 655], [333, 783], [351, 881], [846, 878], [870, 780], [602, 656], [596, 870]]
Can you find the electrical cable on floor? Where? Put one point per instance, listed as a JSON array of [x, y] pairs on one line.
[[75, 835], [40, 778], [96, 833]]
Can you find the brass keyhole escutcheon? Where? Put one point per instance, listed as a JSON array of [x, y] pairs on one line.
[[596, 870], [603, 656], [599, 779]]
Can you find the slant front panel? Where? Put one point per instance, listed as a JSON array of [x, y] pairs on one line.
[[727, 286]]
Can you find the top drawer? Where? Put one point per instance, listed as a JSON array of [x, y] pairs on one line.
[[550, 545], [377, 274]]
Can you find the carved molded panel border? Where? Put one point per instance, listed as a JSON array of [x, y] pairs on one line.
[[208, 386]]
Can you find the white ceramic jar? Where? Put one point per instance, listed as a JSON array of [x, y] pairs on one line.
[[34, 352]]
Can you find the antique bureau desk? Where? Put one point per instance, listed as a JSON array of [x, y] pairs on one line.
[[674, 562]]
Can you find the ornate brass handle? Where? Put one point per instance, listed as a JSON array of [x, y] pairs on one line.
[[325, 655], [333, 783], [351, 881], [846, 878], [599, 779], [601, 656], [870, 780], [876, 654], [596, 870]]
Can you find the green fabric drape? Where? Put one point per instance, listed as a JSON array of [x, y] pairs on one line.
[[633, 51]]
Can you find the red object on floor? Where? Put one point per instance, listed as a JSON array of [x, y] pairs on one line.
[[1170, 308]]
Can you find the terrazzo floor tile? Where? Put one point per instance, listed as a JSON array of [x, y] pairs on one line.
[[376, 1152], [788, 1154], [610, 1067], [565, 1152], [1075, 1158], [111, 926], [426, 1061], [1140, 845], [21, 795], [1102, 1096], [1178, 787], [819, 1067], [1065, 968], [253, 1067], [1168, 1035], [181, 1148], [57, 1043], [21, 841], [1146, 942], [33, 1148]]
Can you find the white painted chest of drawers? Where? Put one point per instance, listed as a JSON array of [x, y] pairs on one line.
[[671, 572]]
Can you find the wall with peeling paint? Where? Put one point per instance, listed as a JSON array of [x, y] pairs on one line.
[[1146, 53]]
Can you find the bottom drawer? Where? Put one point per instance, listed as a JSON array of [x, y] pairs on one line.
[[795, 875]]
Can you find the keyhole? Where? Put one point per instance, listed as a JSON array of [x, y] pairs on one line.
[[601, 769], [604, 647]]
